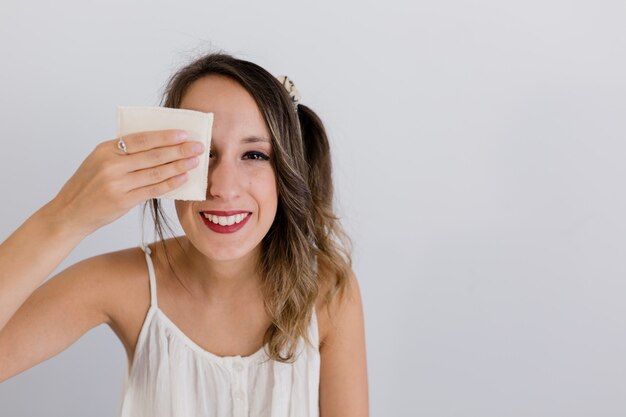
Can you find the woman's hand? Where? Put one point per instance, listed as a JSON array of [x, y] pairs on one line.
[[109, 182]]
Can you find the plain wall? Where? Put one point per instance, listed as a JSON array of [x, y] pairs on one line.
[[479, 165]]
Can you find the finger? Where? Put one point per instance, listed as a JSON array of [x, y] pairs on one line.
[[142, 141], [155, 175], [158, 189], [161, 156]]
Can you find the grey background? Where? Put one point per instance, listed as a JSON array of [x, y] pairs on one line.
[[478, 150]]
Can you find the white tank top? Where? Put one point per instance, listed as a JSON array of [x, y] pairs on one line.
[[172, 376]]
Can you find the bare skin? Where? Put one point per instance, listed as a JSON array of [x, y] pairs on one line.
[[217, 302], [229, 330], [226, 328]]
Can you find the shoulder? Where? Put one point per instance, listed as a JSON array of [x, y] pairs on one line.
[[124, 273], [343, 367], [101, 289], [102, 278], [120, 281], [336, 309]]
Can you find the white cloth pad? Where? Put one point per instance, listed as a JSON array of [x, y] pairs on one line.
[[198, 125]]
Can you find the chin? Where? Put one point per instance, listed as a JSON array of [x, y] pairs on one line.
[[220, 251]]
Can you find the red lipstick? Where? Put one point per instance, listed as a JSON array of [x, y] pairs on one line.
[[225, 229]]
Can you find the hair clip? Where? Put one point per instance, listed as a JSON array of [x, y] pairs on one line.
[[291, 89]]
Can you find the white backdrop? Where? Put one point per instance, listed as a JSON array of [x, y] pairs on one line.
[[479, 160]]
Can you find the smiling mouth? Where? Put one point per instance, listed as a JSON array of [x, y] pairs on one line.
[[225, 224], [226, 220]]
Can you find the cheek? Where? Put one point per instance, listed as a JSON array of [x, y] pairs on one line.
[[183, 210], [181, 207], [263, 186]]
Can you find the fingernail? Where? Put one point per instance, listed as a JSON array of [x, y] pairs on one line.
[[198, 147], [181, 134]]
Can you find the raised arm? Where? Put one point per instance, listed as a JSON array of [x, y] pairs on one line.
[[35, 325], [56, 315], [30, 255]]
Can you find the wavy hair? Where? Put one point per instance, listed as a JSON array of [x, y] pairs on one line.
[[306, 252]]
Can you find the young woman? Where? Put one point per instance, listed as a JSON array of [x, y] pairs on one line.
[[254, 311]]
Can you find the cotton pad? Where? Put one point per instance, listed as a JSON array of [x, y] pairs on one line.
[[199, 126]]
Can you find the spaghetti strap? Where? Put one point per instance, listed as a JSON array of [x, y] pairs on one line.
[[170, 374], [153, 289], [314, 329]]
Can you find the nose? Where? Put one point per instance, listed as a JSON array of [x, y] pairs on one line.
[[223, 181]]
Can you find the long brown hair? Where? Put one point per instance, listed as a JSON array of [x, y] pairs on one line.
[[306, 248]]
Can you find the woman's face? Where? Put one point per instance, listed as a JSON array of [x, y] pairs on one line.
[[241, 177]]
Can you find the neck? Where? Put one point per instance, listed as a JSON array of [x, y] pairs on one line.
[[218, 281]]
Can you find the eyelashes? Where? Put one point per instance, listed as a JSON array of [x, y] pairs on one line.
[[259, 156], [254, 155]]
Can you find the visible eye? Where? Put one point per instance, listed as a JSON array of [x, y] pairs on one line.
[[258, 156]]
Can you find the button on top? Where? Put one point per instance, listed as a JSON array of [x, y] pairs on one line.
[[238, 367]]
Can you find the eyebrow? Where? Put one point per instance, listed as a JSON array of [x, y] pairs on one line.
[[254, 139]]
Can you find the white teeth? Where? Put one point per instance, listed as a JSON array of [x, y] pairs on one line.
[[226, 221]]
